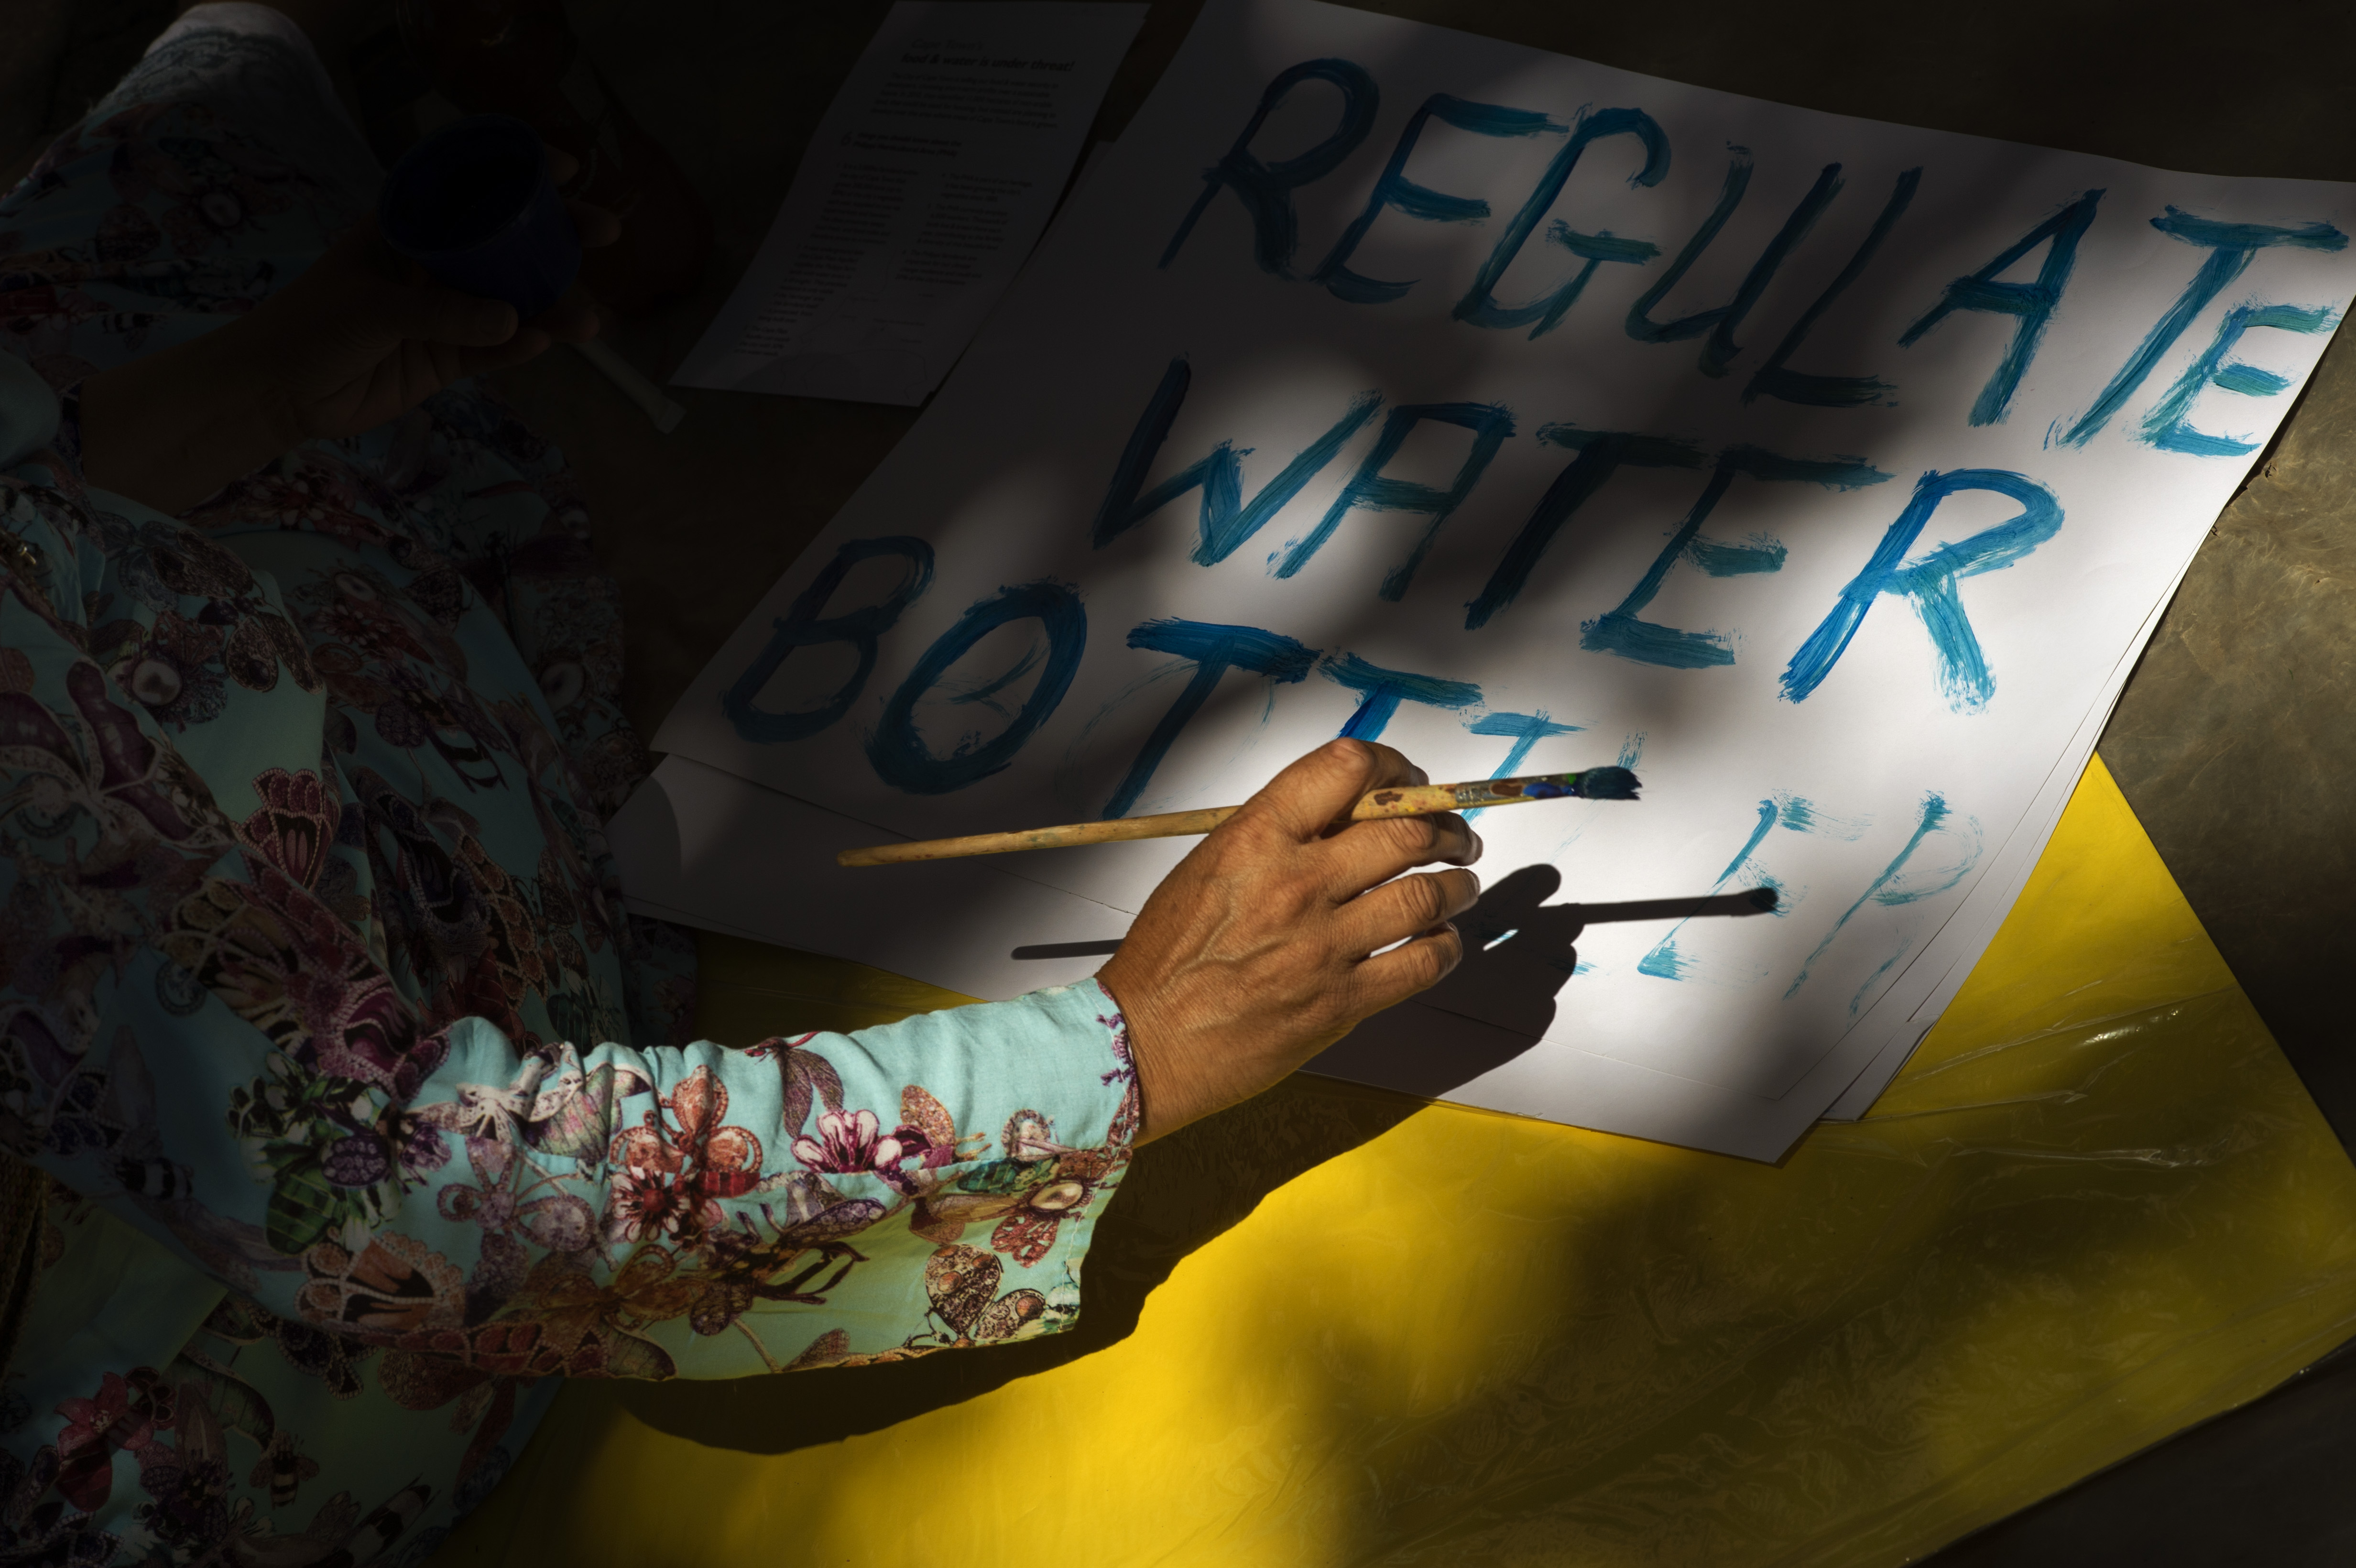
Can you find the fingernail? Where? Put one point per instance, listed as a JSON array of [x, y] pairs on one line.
[[1477, 847]]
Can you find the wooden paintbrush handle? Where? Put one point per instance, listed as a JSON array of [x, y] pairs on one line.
[[1404, 800], [1169, 825]]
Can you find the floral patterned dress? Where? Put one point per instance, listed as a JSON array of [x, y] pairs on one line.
[[318, 1006]]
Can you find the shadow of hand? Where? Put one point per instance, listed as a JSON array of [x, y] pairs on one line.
[[1517, 954]]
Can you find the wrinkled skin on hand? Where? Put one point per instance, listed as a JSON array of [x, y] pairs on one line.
[[1283, 930]]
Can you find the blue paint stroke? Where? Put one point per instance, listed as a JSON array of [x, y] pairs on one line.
[[1873, 981], [1934, 811], [987, 692], [1490, 423], [1792, 813], [1595, 250], [1601, 454], [1266, 189], [1214, 650], [1640, 324], [1833, 392], [896, 751], [1771, 812], [802, 627], [1930, 583], [1802, 815], [1394, 189], [2033, 304], [1387, 689], [1479, 305], [1223, 517], [2230, 248], [1759, 553], [1623, 632], [1525, 731], [1910, 890], [2168, 425], [1665, 962], [1720, 323], [1632, 749]]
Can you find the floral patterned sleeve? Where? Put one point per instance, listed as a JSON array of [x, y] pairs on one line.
[[211, 1028]]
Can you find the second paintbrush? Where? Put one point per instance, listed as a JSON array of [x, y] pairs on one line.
[[1401, 800]]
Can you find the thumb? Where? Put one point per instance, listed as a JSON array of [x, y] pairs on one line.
[[439, 314]]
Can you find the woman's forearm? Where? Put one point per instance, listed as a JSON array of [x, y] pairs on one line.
[[172, 428]]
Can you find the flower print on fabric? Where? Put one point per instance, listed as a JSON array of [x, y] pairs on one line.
[[319, 1003], [192, 619], [671, 1171]]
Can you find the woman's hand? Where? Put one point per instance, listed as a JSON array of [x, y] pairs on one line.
[[361, 337], [364, 336], [1262, 948]]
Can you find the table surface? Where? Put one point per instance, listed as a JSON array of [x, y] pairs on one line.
[[1335, 1326]]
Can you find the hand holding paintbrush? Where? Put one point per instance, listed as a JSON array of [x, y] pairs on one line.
[[1298, 915]]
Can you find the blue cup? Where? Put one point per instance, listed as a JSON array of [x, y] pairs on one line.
[[474, 205]]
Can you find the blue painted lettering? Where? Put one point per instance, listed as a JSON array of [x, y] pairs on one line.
[[1394, 189], [2230, 248], [1266, 189], [1387, 689], [2033, 304], [1833, 392], [1480, 305], [803, 626], [1885, 888], [897, 750], [1600, 456], [1226, 520], [2168, 425], [1214, 649], [1623, 632], [1930, 583], [1721, 321], [1369, 488]]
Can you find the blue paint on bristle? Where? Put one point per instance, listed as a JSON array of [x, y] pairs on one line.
[[1607, 783]]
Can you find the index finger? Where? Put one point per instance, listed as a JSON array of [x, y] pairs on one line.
[[1309, 797]]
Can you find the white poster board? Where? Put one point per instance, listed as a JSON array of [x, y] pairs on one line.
[[1532, 415]]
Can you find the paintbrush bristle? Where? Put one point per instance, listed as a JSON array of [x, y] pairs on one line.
[[1608, 783]]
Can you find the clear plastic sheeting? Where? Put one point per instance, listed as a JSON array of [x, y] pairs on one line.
[[1335, 1326]]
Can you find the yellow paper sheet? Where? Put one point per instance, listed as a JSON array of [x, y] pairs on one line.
[[1335, 1326]]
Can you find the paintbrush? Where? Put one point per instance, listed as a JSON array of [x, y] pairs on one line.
[[1399, 800]]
